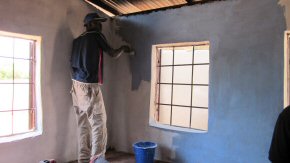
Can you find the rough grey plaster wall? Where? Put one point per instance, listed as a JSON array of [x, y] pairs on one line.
[[111, 82], [246, 79], [58, 22], [286, 6]]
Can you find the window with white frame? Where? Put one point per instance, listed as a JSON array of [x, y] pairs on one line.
[[286, 69], [19, 78], [180, 86]]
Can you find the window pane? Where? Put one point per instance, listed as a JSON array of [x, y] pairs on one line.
[[21, 96], [201, 54], [16, 76], [21, 70], [183, 55], [165, 94], [199, 118], [182, 74], [164, 114], [166, 75], [6, 70], [200, 74], [22, 48], [181, 95], [21, 121], [6, 46], [5, 123], [6, 96], [166, 56], [181, 116], [200, 96]]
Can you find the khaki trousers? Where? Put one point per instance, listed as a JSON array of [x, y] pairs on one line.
[[91, 120]]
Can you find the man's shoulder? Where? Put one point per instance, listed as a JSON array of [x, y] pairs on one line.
[[90, 33], [83, 36], [79, 37], [285, 115], [286, 110]]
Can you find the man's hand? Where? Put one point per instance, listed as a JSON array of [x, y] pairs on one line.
[[116, 53], [128, 50]]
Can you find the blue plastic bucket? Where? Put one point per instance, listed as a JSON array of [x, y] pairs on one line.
[[144, 152]]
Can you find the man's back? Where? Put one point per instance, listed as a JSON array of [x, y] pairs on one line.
[[280, 146], [87, 57]]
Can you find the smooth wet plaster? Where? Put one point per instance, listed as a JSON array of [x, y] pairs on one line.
[[246, 79]]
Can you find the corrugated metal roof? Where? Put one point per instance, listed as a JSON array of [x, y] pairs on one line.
[[125, 7], [133, 6]]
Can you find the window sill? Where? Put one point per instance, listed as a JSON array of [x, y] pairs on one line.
[[20, 136], [175, 128]]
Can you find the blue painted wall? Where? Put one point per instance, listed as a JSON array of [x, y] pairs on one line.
[[246, 80]]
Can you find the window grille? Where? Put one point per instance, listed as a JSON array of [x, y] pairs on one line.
[[17, 85], [182, 74]]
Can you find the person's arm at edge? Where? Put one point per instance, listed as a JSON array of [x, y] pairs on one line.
[[116, 53]]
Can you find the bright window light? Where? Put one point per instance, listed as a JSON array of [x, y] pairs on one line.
[[19, 79], [180, 86]]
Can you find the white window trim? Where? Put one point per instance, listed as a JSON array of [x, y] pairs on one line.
[[286, 68], [152, 121], [38, 126]]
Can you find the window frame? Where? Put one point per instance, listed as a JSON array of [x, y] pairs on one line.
[[154, 92], [286, 68], [37, 91]]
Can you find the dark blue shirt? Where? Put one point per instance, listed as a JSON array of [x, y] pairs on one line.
[[87, 57], [280, 145]]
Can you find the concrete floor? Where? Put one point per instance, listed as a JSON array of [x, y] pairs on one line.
[[120, 157]]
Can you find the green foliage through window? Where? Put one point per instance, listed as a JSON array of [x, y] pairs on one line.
[[6, 73]]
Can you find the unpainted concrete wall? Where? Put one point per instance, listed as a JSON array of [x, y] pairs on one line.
[[246, 79], [286, 7], [58, 22]]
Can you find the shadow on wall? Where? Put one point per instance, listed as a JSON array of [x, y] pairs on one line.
[[60, 87], [168, 154], [135, 33], [286, 7]]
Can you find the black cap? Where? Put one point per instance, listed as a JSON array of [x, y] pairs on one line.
[[93, 16]]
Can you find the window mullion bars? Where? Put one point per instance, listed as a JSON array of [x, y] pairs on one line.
[[159, 63], [187, 128], [32, 86], [173, 51], [184, 65], [184, 106], [182, 84], [191, 87], [4, 111], [15, 58], [13, 86]]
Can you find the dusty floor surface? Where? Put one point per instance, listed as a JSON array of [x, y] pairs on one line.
[[119, 157]]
